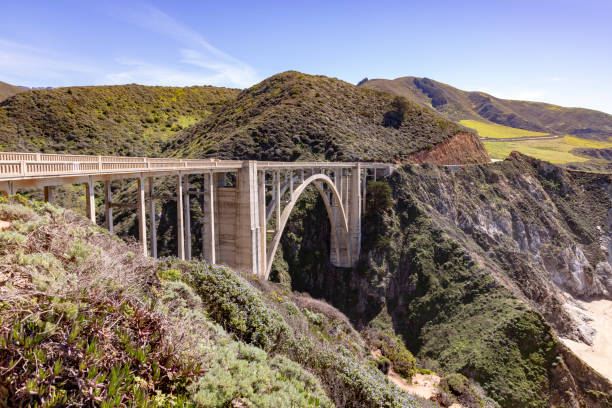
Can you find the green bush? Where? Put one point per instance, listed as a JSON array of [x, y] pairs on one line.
[[460, 388], [10, 212], [245, 374], [237, 306]]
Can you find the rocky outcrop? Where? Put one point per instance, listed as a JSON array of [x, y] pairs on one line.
[[461, 262], [462, 148]]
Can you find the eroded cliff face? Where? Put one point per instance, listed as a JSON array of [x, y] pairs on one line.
[[462, 148], [542, 231], [474, 266]]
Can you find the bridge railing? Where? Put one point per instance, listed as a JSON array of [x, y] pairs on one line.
[[30, 165]]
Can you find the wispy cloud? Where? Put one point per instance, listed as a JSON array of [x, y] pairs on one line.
[[142, 72], [190, 59], [21, 63], [213, 66]]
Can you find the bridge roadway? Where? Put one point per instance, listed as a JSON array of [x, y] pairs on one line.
[[246, 204]]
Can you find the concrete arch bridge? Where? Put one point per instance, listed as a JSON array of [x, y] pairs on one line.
[[246, 204]]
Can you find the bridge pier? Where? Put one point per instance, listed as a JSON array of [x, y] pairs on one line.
[[180, 226], [108, 206], [209, 240], [90, 201], [187, 217], [49, 193], [142, 218], [152, 221]]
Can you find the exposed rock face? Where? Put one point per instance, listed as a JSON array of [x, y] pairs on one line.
[[462, 255], [543, 231], [462, 148]]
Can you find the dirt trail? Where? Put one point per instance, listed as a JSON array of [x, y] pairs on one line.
[[422, 385], [599, 355]]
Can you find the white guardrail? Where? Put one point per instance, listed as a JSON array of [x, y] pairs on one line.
[[26, 165], [15, 165]]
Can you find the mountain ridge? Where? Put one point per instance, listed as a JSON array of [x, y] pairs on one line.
[[295, 116], [456, 104]]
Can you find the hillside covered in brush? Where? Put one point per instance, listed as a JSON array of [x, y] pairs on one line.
[[85, 320], [127, 120], [456, 105], [8, 90], [294, 116]]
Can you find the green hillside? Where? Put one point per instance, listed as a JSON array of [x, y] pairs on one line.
[[8, 90], [111, 120], [294, 116], [456, 104], [89, 322]]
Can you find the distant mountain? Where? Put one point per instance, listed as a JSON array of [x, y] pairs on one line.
[[457, 105], [294, 116], [110, 120], [8, 90]]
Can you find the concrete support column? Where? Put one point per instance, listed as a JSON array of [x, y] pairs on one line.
[[90, 201], [263, 233], [108, 206], [187, 217], [49, 194], [142, 217], [354, 212], [278, 199], [345, 188], [247, 220], [363, 190], [338, 249], [209, 241], [152, 223], [180, 227], [291, 185]]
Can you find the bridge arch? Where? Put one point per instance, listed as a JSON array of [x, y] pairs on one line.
[[341, 234]]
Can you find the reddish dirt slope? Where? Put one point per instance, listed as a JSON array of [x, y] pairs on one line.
[[463, 148]]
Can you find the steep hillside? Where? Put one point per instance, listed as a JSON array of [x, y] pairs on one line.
[[479, 270], [8, 90], [87, 321], [457, 105], [109, 120], [293, 116]]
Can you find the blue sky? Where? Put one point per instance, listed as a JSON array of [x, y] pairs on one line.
[[554, 51]]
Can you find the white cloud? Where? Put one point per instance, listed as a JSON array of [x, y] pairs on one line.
[[142, 72], [216, 67], [194, 61], [26, 65]]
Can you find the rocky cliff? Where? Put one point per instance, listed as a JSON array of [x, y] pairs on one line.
[[479, 270]]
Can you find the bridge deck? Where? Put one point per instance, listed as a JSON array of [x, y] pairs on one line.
[[39, 169]]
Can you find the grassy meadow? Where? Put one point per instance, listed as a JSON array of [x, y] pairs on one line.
[[495, 131], [552, 150]]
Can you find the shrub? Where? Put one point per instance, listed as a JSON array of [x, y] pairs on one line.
[[245, 374], [11, 212], [237, 306], [460, 388]]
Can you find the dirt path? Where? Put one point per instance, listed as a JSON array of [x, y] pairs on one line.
[[599, 355]]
